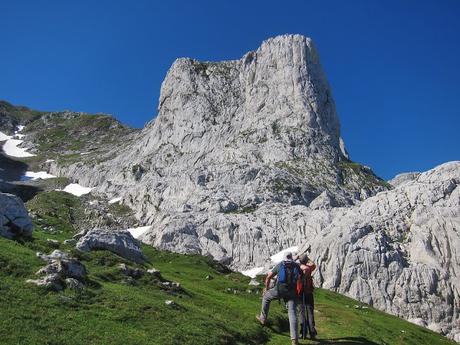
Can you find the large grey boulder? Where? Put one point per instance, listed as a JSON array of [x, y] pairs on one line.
[[14, 219], [121, 243]]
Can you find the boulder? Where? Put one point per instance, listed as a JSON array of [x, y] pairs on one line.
[[74, 284], [130, 271], [55, 255], [14, 219], [50, 281], [153, 271], [121, 243], [60, 268]]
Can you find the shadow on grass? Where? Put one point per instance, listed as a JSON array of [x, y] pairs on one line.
[[344, 341], [24, 191], [280, 325]]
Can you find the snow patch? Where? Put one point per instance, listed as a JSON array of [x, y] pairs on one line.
[[4, 137], [275, 259], [278, 257], [114, 200], [76, 189], [11, 149], [11, 145], [253, 272], [30, 175], [137, 232], [49, 160]]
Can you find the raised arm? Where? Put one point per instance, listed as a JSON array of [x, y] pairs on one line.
[[270, 275]]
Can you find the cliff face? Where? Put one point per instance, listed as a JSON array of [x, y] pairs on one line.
[[232, 136], [399, 250]]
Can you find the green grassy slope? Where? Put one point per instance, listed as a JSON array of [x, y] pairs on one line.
[[64, 136], [115, 309]]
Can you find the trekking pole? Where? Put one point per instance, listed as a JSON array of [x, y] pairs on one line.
[[304, 318]]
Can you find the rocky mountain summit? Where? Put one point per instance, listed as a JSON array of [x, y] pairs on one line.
[[231, 138]]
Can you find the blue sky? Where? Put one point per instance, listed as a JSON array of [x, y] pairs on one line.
[[393, 65]]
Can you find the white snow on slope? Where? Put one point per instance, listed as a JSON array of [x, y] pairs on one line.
[[11, 149], [11, 145], [137, 232], [275, 259], [76, 189], [30, 175], [114, 200], [4, 137], [278, 257], [253, 272]]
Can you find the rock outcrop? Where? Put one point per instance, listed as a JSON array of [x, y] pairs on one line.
[[61, 271], [403, 178], [399, 250], [14, 219], [121, 243]]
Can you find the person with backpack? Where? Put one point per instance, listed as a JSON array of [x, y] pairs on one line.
[[288, 274], [308, 304]]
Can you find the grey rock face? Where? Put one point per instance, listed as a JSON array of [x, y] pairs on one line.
[[399, 250], [14, 219], [403, 178], [119, 242]]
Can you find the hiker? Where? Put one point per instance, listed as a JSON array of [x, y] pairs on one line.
[[288, 272], [307, 302]]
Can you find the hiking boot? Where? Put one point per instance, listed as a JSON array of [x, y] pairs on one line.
[[261, 321]]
